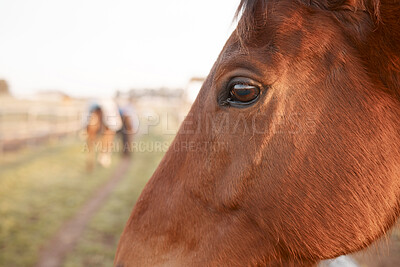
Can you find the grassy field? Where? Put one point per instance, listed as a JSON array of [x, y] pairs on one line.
[[42, 187], [98, 244], [39, 189]]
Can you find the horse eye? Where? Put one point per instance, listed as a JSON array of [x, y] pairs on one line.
[[243, 92]]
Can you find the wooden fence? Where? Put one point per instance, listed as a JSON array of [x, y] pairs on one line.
[[29, 122]]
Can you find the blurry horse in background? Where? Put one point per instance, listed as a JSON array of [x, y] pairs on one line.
[[294, 152], [105, 121]]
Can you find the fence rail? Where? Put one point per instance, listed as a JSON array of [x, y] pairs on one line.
[[24, 123]]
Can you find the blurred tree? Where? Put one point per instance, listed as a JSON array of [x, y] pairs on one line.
[[4, 90]]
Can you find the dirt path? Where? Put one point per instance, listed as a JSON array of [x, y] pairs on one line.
[[53, 254]]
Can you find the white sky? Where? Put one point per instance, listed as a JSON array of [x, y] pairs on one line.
[[93, 47]]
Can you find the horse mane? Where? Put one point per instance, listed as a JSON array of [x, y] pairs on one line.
[[381, 49], [249, 7]]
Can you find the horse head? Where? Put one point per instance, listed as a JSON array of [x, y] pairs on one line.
[[290, 153]]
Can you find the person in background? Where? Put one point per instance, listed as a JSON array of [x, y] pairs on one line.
[[129, 127]]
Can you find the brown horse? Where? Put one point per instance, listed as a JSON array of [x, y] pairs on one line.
[[100, 138], [291, 151], [101, 135]]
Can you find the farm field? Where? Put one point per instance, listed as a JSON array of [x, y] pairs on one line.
[[39, 189], [98, 244], [42, 187], [44, 184]]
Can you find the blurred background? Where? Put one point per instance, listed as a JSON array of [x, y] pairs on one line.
[[66, 191], [60, 61]]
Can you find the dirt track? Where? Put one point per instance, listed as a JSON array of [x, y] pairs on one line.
[[54, 252]]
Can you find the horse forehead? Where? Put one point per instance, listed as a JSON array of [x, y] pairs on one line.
[[287, 25]]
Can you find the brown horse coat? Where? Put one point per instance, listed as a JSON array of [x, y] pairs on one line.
[[309, 170]]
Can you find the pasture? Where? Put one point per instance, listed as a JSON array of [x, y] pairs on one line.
[[98, 244], [38, 194], [44, 185]]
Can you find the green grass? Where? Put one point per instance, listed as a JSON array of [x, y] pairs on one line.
[[98, 244], [39, 189]]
